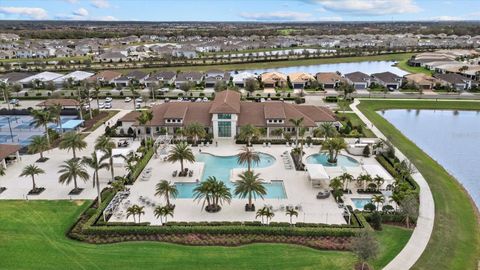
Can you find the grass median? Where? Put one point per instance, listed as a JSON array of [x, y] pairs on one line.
[[455, 241], [33, 237]]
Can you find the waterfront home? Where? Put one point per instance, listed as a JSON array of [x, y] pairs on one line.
[[422, 81], [240, 78], [359, 80], [188, 77], [214, 76], [455, 81], [161, 77], [226, 114], [75, 77], [388, 79], [329, 80], [273, 79], [14, 77], [105, 77], [300, 79], [135, 76], [40, 79]]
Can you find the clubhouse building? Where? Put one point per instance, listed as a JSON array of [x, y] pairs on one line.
[[226, 114]]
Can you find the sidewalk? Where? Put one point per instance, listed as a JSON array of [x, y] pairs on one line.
[[421, 235]]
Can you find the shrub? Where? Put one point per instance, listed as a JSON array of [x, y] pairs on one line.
[[369, 207], [376, 221]]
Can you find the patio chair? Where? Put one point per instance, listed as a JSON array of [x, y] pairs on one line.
[[287, 144], [174, 174], [264, 144], [190, 173], [269, 144]]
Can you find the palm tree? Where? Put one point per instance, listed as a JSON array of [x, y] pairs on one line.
[[364, 179], [32, 170], [56, 110], [346, 178], [297, 123], [106, 145], [291, 212], [378, 180], [378, 199], [42, 119], [166, 189], [2, 170], [250, 185], [180, 152], [96, 164], [143, 119], [268, 214], [38, 144], [196, 131], [336, 184], [72, 141], [261, 213], [133, 89], [328, 130], [132, 211], [140, 212], [247, 156], [163, 211], [5, 88], [247, 132], [213, 192], [71, 170], [334, 145]]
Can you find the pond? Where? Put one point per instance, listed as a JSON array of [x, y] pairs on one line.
[[367, 67], [452, 138]]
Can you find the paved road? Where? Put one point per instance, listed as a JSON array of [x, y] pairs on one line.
[[421, 235]]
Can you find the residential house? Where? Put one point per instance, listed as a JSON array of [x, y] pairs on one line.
[[214, 76], [105, 77], [188, 77], [300, 79], [359, 80], [40, 79], [75, 77], [273, 79], [134, 76], [239, 79], [455, 81], [329, 80], [162, 77], [112, 57], [388, 79], [422, 81]]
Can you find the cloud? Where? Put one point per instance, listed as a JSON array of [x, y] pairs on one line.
[[277, 16], [100, 3], [71, 1], [447, 18], [25, 12], [106, 18], [80, 12], [370, 7]]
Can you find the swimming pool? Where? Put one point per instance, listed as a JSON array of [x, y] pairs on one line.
[[322, 158], [359, 203], [221, 167]]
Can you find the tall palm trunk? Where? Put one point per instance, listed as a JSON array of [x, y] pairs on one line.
[[60, 124], [111, 168], [75, 182], [73, 151], [250, 199], [33, 181], [47, 135], [181, 164]]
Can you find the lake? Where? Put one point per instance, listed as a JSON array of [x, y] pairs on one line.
[[452, 138], [367, 67]]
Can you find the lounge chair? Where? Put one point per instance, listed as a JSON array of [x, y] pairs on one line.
[[269, 144], [190, 173], [264, 144], [174, 174]]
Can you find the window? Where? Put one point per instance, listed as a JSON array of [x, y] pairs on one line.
[[224, 116], [224, 129]]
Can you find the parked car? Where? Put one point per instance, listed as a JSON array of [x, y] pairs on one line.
[[139, 100], [128, 99], [205, 99], [138, 106], [101, 105], [86, 106], [108, 105], [108, 99], [14, 101]]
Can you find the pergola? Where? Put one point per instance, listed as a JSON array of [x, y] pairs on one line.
[[9, 151]]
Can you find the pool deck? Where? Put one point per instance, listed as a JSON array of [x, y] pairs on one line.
[[297, 186]]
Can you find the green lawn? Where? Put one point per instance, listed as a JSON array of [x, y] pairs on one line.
[[275, 64], [403, 65], [356, 121], [32, 236], [455, 242]]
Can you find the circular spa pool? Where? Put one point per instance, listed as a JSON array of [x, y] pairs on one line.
[[342, 160]]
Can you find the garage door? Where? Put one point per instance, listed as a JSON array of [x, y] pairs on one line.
[[360, 86], [392, 86]]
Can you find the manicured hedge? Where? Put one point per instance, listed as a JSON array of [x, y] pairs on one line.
[[141, 164], [387, 164]]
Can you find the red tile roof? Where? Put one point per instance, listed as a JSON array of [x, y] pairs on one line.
[[8, 149], [226, 102]]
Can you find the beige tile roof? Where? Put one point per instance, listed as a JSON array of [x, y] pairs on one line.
[[273, 77], [300, 77], [328, 77]]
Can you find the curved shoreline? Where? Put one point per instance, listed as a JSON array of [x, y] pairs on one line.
[[424, 228], [455, 240]]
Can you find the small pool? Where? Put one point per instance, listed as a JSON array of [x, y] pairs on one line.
[[359, 203], [322, 158], [221, 167]]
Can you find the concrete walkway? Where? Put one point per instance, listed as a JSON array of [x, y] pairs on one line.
[[421, 235]]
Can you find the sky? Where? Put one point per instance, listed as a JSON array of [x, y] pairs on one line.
[[240, 10]]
